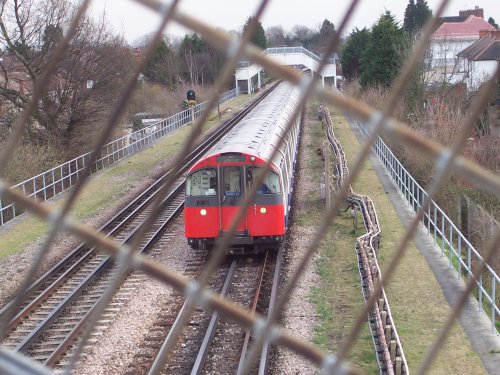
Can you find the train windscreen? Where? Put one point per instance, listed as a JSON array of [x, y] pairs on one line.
[[202, 183], [271, 183]]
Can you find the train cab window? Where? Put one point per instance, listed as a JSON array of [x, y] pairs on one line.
[[270, 185], [202, 182], [232, 181]]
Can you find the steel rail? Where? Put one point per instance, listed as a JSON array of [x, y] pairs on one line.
[[30, 338], [69, 340], [212, 327], [274, 294], [246, 341], [130, 211], [73, 268], [160, 358]]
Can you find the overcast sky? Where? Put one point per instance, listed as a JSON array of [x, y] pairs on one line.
[[134, 21]]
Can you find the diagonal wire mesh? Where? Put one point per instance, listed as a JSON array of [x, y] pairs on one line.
[[381, 122]]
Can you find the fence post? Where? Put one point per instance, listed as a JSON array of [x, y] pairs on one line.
[[493, 304], [326, 152]]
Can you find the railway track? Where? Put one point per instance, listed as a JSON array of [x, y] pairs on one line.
[[210, 343], [56, 307]]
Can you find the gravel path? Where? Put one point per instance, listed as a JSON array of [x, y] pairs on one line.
[[299, 316]]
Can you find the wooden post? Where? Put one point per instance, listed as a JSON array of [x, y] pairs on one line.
[[381, 304], [218, 108], [388, 332], [354, 215], [383, 314], [328, 177], [398, 366], [392, 350]]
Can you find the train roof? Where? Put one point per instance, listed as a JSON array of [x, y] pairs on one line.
[[260, 131]]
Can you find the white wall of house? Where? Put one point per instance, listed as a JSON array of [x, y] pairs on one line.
[[441, 61], [478, 72]]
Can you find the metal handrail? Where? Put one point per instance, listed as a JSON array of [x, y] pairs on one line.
[[281, 50], [286, 50], [439, 226], [54, 181]]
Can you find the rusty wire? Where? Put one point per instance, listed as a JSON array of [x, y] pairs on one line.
[[447, 161]]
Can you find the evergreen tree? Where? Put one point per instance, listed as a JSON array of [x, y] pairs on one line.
[[416, 15], [422, 14], [409, 22], [259, 35], [321, 39], [492, 22], [384, 53], [194, 59], [352, 52], [160, 68], [327, 29]]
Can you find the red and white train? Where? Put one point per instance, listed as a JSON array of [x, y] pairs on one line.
[[217, 184]]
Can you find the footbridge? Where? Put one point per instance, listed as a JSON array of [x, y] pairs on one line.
[[250, 77]]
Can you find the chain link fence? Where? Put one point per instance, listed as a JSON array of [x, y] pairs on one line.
[[446, 160]]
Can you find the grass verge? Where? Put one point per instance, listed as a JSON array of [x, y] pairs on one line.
[[417, 303], [338, 296]]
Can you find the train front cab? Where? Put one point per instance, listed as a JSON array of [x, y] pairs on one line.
[[214, 194]]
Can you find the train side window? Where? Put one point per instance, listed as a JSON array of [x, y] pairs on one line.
[[232, 180], [202, 182], [270, 185]]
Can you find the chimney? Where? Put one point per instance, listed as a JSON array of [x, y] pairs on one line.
[[478, 12]]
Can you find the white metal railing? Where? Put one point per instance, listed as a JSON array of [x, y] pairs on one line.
[[282, 50], [58, 179], [285, 50], [460, 252]]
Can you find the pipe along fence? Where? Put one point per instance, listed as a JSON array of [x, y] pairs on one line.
[[390, 354], [54, 181], [460, 252]]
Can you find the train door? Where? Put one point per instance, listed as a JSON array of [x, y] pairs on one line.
[[231, 197], [265, 215]]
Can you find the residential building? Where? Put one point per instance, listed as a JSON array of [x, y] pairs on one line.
[[479, 61], [452, 36]]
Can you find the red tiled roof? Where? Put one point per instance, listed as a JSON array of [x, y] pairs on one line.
[[470, 27]]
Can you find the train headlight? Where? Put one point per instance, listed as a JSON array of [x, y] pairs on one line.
[[263, 210], [203, 212]]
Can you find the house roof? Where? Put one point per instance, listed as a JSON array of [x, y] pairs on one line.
[[468, 28], [486, 48], [452, 19]]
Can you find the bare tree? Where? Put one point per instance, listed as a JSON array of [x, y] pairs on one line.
[[276, 36], [302, 35], [86, 81], [442, 67]]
